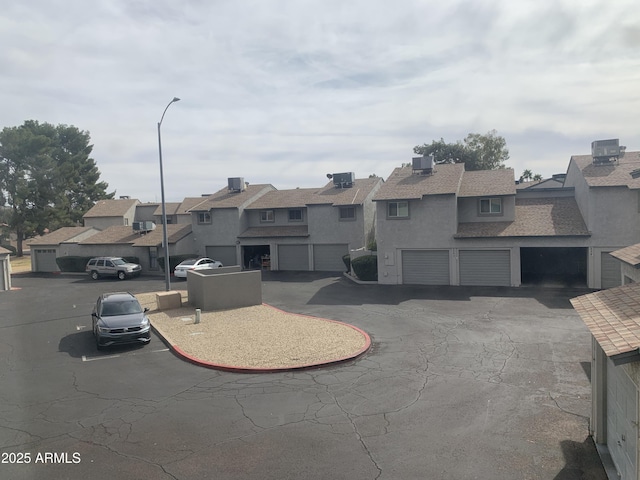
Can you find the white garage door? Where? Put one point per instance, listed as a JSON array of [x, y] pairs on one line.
[[609, 271], [45, 260], [425, 267], [226, 255], [293, 257], [328, 258], [622, 421], [485, 267]]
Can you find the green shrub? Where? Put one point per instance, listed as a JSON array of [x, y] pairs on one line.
[[174, 260], [366, 267], [347, 262], [72, 263]]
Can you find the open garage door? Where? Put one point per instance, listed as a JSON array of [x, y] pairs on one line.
[[554, 266], [425, 267], [485, 267]]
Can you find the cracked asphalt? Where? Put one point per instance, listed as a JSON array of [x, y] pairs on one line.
[[461, 383]]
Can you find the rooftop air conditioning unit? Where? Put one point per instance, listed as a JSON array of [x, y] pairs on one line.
[[423, 164], [344, 180], [236, 184], [605, 151], [144, 226]]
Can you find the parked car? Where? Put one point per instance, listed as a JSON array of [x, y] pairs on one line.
[[195, 264], [112, 266], [118, 318]]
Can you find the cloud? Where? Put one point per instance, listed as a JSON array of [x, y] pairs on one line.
[[284, 92]]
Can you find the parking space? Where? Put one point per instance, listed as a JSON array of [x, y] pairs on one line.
[[460, 383]]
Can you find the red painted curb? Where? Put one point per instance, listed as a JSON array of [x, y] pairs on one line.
[[244, 369]]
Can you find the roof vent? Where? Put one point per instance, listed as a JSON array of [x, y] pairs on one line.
[[124, 197], [606, 152], [423, 165], [343, 180], [236, 184]]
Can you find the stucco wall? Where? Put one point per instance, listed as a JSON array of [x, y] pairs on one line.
[[280, 215], [223, 229], [613, 216], [325, 226]]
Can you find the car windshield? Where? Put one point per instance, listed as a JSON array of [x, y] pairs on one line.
[[112, 309], [189, 262], [118, 261]]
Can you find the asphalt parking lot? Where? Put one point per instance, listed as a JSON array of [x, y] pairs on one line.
[[459, 384]]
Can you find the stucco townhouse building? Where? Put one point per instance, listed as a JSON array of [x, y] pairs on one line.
[[442, 225]]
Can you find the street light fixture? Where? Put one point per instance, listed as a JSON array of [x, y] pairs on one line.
[[165, 239]]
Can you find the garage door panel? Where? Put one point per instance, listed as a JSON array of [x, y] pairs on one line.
[[293, 257], [224, 254], [45, 260], [485, 267], [425, 267], [328, 258], [622, 430]]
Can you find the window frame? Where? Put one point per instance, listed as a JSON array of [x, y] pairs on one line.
[[491, 202], [351, 218], [397, 203], [204, 218], [296, 210], [265, 214]]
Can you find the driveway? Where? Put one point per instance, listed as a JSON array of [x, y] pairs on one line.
[[460, 383]]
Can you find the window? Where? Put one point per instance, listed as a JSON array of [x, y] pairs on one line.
[[490, 206], [347, 213], [398, 209], [203, 217], [266, 216], [295, 215]]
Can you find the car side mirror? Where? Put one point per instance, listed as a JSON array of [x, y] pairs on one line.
[[94, 314], [146, 309]]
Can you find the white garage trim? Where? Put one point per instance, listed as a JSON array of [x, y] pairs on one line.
[[293, 257], [622, 421], [328, 258], [425, 267], [485, 267]]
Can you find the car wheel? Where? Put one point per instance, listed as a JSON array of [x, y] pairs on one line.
[[95, 275], [121, 275]]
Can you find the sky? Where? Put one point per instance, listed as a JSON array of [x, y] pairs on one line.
[[285, 91]]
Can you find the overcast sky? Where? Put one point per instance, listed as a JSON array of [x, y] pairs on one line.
[[284, 92]]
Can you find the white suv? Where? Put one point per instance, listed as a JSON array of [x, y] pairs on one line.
[[112, 266]]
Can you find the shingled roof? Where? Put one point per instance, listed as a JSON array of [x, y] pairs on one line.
[[223, 198], [614, 175], [613, 318], [111, 208], [483, 183], [629, 255], [63, 234], [276, 231], [180, 208], [355, 195], [534, 217], [298, 197], [403, 184], [121, 234]]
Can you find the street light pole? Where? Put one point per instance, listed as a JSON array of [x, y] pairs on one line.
[[165, 239]]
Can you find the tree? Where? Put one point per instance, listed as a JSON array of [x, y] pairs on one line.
[[477, 152], [528, 175], [47, 178]]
